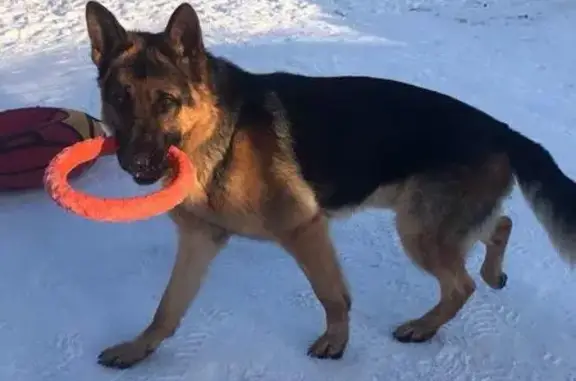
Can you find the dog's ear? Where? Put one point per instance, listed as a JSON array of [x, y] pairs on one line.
[[184, 32], [104, 30]]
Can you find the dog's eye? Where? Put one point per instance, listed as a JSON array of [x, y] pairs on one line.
[[119, 96], [167, 103]]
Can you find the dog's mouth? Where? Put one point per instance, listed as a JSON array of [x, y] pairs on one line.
[[146, 162], [147, 177], [146, 173], [149, 174]]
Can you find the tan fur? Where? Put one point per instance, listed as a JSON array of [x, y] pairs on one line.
[[198, 123]]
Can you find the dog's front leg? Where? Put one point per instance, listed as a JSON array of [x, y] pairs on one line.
[[310, 244], [198, 244]]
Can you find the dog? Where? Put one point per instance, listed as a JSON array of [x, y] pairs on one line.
[[278, 155]]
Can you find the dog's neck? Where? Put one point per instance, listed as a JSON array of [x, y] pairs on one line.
[[210, 156]]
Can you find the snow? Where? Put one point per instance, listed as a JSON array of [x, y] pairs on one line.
[[71, 287]]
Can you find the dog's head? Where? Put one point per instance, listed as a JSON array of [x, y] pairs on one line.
[[153, 86]]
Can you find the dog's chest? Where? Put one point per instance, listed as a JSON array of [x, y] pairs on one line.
[[236, 219], [253, 213]]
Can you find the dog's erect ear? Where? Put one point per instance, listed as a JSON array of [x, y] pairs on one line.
[[104, 30], [184, 32]]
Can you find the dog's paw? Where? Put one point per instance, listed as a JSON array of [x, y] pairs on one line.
[[124, 355], [502, 281], [496, 282], [414, 331], [329, 346]]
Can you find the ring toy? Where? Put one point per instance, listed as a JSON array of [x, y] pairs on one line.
[[113, 209]]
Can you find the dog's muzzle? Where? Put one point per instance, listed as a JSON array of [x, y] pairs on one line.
[[146, 162], [146, 168]]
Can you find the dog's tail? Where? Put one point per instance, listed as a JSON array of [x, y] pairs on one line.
[[550, 193]]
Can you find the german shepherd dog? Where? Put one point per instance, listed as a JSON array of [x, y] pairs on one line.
[[278, 155]]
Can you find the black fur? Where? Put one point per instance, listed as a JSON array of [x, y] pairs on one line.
[[352, 134], [550, 192]]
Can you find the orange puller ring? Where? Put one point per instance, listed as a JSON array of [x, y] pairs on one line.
[[114, 209]]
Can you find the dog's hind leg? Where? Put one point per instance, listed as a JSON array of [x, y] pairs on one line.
[[439, 217], [444, 260], [496, 243]]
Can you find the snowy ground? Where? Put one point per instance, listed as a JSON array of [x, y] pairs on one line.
[[70, 287]]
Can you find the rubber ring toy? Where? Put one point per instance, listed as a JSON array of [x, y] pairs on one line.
[[113, 209]]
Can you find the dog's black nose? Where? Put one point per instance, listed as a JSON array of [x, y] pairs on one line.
[[140, 162]]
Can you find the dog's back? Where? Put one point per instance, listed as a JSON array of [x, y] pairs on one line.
[[354, 134]]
